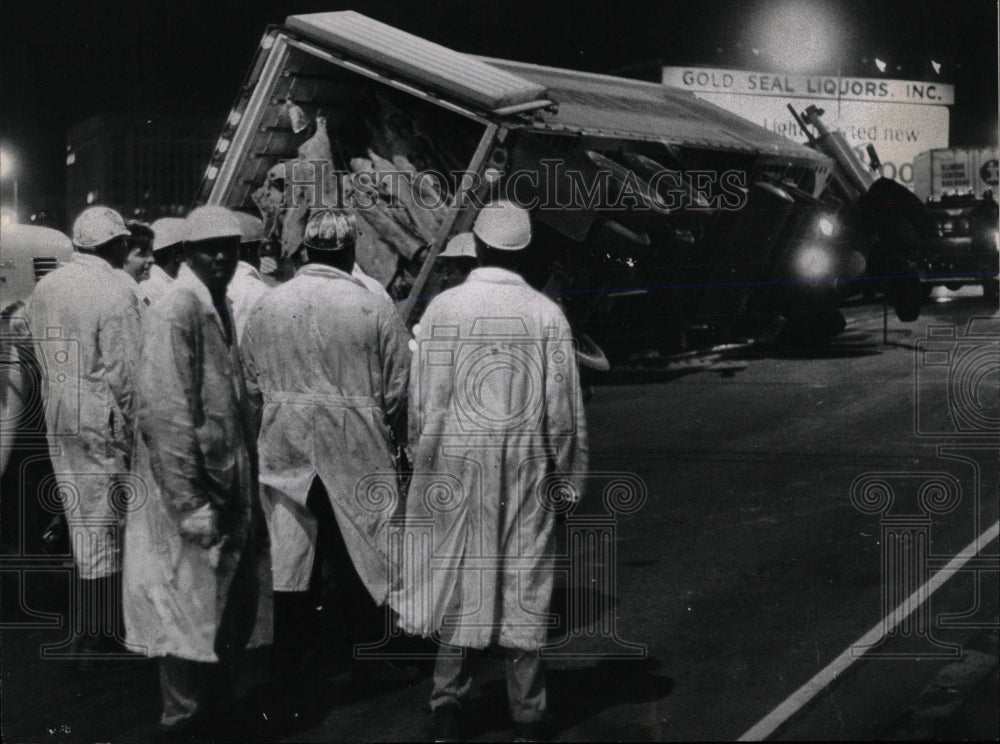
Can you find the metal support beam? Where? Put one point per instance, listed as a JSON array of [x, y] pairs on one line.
[[458, 207]]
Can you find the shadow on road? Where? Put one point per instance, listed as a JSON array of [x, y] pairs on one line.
[[575, 695]]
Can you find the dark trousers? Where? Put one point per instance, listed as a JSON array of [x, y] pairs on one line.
[[300, 617], [189, 691], [525, 682], [363, 620], [98, 626]]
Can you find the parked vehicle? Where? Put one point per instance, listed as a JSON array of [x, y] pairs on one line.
[[27, 253], [954, 171], [965, 250]]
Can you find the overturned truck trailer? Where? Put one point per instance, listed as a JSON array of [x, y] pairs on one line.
[[661, 222]]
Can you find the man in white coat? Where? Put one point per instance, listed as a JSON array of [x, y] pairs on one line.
[[168, 255], [85, 321], [197, 559], [327, 362], [495, 409], [247, 286]]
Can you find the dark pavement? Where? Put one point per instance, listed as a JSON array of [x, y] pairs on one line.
[[739, 567]]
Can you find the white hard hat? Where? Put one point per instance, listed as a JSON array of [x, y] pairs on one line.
[[96, 226], [251, 228], [167, 232], [209, 223], [331, 230], [462, 245], [504, 226]]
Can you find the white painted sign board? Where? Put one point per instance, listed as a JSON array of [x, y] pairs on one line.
[[901, 118]]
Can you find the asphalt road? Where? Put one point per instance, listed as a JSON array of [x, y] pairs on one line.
[[738, 566]]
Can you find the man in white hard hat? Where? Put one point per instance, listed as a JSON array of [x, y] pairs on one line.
[[197, 560], [329, 360], [247, 286], [85, 322], [168, 255], [495, 409], [457, 259]]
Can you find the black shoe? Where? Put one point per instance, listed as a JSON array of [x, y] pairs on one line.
[[446, 723], [534, 731]]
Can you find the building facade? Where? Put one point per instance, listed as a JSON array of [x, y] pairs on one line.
[[145, 165]]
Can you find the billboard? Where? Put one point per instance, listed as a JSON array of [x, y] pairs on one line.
[[901, 118]]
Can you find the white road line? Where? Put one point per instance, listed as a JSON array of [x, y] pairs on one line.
[[769, 723]]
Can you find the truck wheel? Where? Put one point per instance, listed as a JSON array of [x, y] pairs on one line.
[[991, 289]]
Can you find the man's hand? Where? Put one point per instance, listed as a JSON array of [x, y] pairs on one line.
[[201, 526]]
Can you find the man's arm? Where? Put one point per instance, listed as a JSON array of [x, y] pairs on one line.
[[395, 353], [565, 423], [119, 338], [251, 372], [170, 383]]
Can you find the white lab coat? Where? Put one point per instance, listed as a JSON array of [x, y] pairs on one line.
[[327, 361], [495, 409], [372, 284], [85, 322], [196, 456], [155, 287], [141, 299], [246, 288]]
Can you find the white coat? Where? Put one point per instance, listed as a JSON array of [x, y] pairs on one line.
[[85, 322], [246, 288], [156, 286], [196, 457], [495, 408], [327, 361], [372, 284]]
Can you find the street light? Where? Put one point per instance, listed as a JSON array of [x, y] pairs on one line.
[[800, 37], [8, 169]]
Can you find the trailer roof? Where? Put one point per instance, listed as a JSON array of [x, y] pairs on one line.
[[608, 106], [589, 104], [411, 58]]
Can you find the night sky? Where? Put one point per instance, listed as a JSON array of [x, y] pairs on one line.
[[63, 62]]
